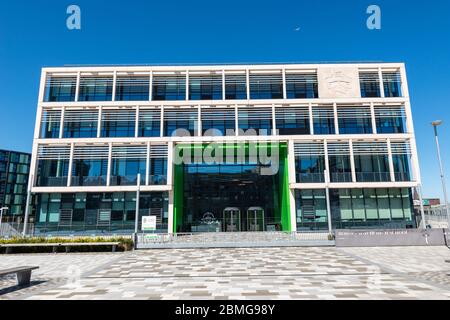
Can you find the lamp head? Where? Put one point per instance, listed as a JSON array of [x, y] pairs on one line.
[[436, 123]]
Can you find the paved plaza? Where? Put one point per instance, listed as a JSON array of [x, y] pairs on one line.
[[242, 273]]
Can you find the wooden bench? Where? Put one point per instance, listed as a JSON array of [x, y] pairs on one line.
[[55, 246], [23, 274]]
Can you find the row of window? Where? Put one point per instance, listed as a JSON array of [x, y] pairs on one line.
[[217, 121], [368, 168], [206, 87], [354, 208]]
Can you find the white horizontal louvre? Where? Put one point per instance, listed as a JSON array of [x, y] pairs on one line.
[[53, 152], [205, 80], [236, 79], [92, 152], [61, 81], [353, 112], [369, 77], [323, 112], [163, 80], [308, 149], [149, 114], [391, 76], [265, 79], [95, 81], [390, 112], [254, 113], [51, 116], [211, 114], [129, 152], [338, 148], [301, 78], [158, 151], [118, 115], [401, 147], [370, 148], [80, 116], [133, 81], [180, 114], [300, 112]]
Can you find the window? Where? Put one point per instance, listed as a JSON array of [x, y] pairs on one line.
[[180, 122], [401, 158], [80, 123], [309, 162], [339, 162], [205, 87], [169, 88], [235, 86], [127, 163], [255, 121], [149, 123], [96, 89], [311, 210], [118, 123], [370, 84], [132, 88], [53, 165], [354, 120], [323, 119], [390, 119], [60, 89], [217, 121], [292, 120], [301, 86], [371, 161], [392, 84], [90, 165], [266, 86], [50, 124]]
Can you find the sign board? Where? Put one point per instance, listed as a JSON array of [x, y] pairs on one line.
[[339, 82], [148, 223]]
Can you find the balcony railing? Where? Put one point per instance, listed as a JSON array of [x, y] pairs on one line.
[[373, 176], [310, 177], [402, 176], [52, 181], [89, 181], [341, 177]]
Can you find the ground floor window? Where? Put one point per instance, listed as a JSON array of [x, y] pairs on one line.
[[98, 212]]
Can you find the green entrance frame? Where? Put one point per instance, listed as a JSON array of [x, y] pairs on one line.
[[281, 197]]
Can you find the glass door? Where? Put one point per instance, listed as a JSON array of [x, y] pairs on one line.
[[255, 219], [231, 220]]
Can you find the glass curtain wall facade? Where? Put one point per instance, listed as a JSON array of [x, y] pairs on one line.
[[345, 128]]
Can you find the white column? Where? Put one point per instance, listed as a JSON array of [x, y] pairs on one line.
[[150, 89], [170, 175], [327, 196], [170, 213], [147, 165], [274, 121], [291, 162], [136, 123], [336, 119], [247, 76], [415, 162], [69, 174], [311, 119], [99, 121], [236, 120], [61, 123], [161, 128], [380, 79], [291, 180], [114, 89], [77, 88], [187, 85], [284, 84], [293, 210], [108, 174], [199, 120], [391, 162], [352, 161], [372, 117], [327, 164], [223, 85]]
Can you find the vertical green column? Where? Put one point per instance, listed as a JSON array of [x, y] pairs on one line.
[[284, 189], [178, 190]]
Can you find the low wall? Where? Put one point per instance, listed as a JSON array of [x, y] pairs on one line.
[[391, 238]]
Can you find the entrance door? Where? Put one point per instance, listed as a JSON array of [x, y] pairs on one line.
[[255, 219], [231, 220]]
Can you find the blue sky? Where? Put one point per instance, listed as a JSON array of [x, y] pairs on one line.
[[33, 34]]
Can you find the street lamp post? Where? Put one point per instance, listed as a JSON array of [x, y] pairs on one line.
[[435, 124]]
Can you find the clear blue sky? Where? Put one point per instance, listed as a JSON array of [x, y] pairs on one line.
[[33, 34]]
